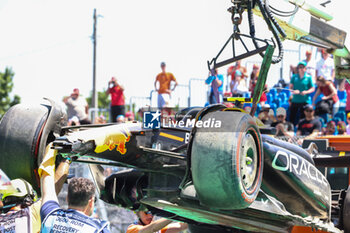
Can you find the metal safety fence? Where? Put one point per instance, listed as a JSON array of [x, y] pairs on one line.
[[137, 102], [193, 94], [198, 92]]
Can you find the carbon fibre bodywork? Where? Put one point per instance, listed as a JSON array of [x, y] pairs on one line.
[[291, 191]]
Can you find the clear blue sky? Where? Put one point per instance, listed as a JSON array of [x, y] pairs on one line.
[[47, 43]]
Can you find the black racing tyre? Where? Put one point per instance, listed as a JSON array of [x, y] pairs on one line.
[[20, 131], [346, 212], [227, 162]]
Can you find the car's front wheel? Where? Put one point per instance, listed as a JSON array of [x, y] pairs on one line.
[[24, 132], [227, 162]]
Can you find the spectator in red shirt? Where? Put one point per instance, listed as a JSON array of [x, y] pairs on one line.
[[330, 100], [117, 99], [344, 85], [232, 70], [253, 80]]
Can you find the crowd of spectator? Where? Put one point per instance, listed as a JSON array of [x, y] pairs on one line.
[[305, 107], [314, 103]]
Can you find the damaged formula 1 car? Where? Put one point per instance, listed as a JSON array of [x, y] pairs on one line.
[[219, 179], [226, 177]]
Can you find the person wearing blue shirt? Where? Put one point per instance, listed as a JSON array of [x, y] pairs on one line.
[[216, 91], [81, 202]]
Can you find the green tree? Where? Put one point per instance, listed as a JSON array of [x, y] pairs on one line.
[[103, 100], [6, 85]]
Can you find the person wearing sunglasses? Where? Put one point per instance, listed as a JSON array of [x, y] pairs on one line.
[[309, 126], [301, 85], [283, 128], [146, 224]]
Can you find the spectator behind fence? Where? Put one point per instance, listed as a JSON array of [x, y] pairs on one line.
[[309, 126], [77, 106], [231, 71], [253, 80], [146, 224], [310, 64], [330, 101], [238, 86], [216, 81], [301, 85], [283, 127], [81, 201], [165, 79], [117, 99], [325, 67]]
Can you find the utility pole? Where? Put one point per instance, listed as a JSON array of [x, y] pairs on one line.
[[94, 93]]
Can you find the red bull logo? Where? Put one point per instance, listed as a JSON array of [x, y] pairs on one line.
[[114, 140]]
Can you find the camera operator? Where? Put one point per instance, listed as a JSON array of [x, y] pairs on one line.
[[117, 99]]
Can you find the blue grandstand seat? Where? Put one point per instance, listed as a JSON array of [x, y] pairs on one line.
[[309, 100], [258, 109], [269, 97], [287, 92], [273, 91], [336, 119], [341, 109], [283, 97], [278, 102], [247, 105], [312, 94], [273, 106], [322, 122], [324, 116], [285, 106], [246, 95], [341, 115], [319, 98], [342, 96]]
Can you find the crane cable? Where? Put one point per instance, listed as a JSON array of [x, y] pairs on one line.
[[268, 17], [283, 13]]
